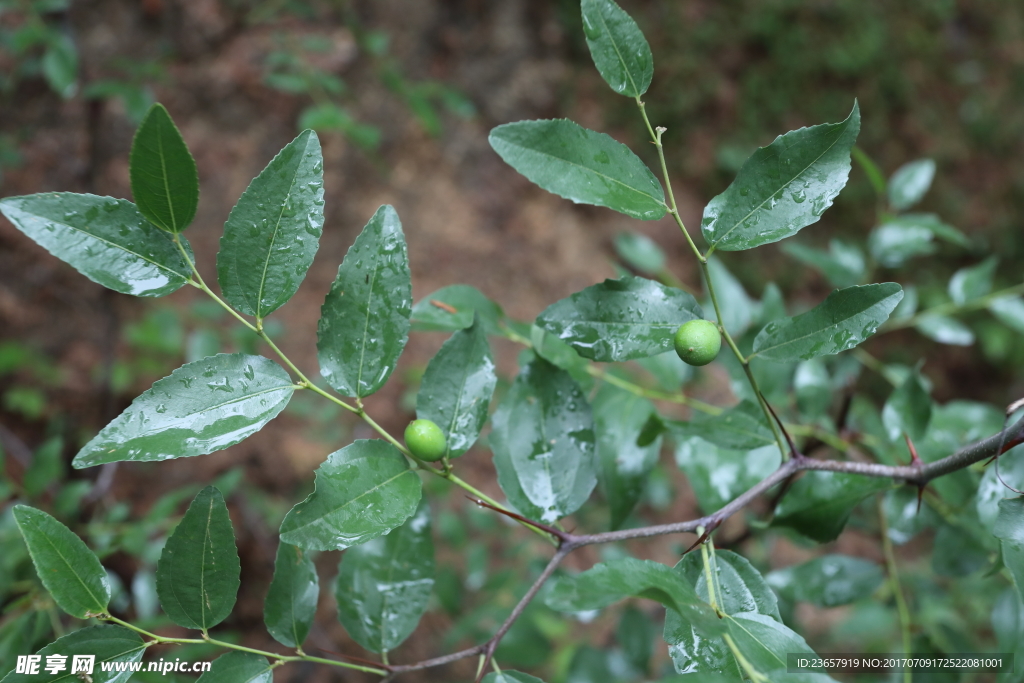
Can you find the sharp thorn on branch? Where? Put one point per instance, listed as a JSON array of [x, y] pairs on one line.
[[915, 460], [703, 538], [557, 533]]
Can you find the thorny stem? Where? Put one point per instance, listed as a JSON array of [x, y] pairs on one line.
[[892, 570]]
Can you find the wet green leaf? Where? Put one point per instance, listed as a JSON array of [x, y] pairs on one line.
[[543, 443], [819, 503], [1008, 625], [828, 581], [108, 643], [974, 282], [741, 427], [609, 582], [558, 353], [765, 643], [908, 410], [384, 585], [457, 387], [273, 232], [165, 183], [623, 464], [621, 319], [1009, 529], [364, 322], [909, 183], [620, 51], [197, 577], [843, 264], [718, 475], [582, 165], [510, 677], [783, 187], [291, 601], [239, 667], [944, 330], [1010, 311], [68, 569], [362, 491], [105, 239], [201, 407], [846, 318], [452, 308], [640, 252]]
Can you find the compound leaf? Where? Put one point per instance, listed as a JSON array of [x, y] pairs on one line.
[[620, 51], [165, 183], [291, 601], [201, 407], [273, 232]]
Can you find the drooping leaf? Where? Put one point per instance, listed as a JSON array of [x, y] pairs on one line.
[[910, 182], [973, 282], [364, 322], [944, 330], [452, 308], [828, 581], [291, 601], [609, 582], [843, 264], [68, 569], [1009, 529], [105, 239], [819, 503], [1009, 310], [718, 475], [621, 319], [582, 165], [238, 667], [165, 183], [640, 252], [908, 410], [624, 464], [543, 443], [197, 577], [457, 387], [362, 491], [741, 427], [273, 232], [783, 187], [846, 318], [108, 643], [620, 51], [384, 585], [201, 407], [510, 677]]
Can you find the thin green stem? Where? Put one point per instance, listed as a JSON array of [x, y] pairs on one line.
[[708, 575], [894, 581], [633, 388], [752, 673], [952, 308]]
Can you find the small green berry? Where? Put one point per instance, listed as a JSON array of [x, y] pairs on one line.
[[425, 440], [698, 342]]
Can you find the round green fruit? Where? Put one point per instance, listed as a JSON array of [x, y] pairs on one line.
[[425, 440], [698, 342]]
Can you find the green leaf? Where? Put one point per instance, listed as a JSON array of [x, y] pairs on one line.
[[719, 475], [944, 330], [640, 252], [105, 239], [620, 51], [741, 427], [610, 582], [60, 65], [457, 388], [623, 464], [908, 410], [291, 601], [870, 169], [68, 569], [620, 320], [197, 577], [1009, 529], [163, 173], [738, 309], [273, 232], [362, 491], [582, 165], [108, 643], [1009, 310], [364, 322], [510, 677], [201, 407], [819, 503], [974, 282], [783, 187], [239, 667], [636, 634], [452, 308], [843, 264], [910, 182], [765, 643], [383, 586], [558, 353], [828, 581], [543, 443], [898, 240], [846, 318], [1008, 625], [957, 554]]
